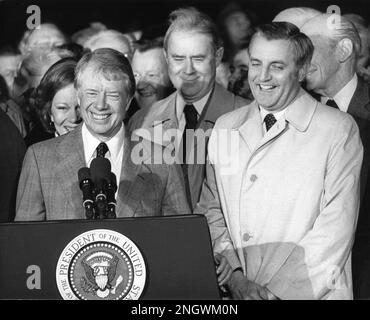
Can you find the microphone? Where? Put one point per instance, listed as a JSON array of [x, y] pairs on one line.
[[111, 189], [86, 186], [100, 171]]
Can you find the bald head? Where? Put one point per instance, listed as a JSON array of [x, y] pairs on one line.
[[110, 39], [296, 15], [46, 36]]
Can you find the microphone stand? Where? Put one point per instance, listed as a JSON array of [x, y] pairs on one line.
[[86, 187], [100, 173], [111, 189]]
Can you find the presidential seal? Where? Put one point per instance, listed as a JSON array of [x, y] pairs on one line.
[[101, 265]]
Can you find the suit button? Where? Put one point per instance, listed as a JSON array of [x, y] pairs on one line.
[[253, 178], [246, 237]]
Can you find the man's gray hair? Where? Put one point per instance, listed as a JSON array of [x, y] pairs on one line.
[[334, 28], [346, 29], [190, 19]]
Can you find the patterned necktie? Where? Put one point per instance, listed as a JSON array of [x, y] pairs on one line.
[[332, 103], [101, 150], [269, 121]]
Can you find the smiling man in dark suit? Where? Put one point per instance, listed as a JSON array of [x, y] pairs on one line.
[[48, 187], [332, 75]]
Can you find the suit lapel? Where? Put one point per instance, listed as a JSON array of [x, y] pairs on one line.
[[220, 102], [166, 114], [164, 119], [358, 106], [132, 183], [71, 159]]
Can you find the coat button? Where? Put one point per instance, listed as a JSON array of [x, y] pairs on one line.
[[253, 178], [246, 237]]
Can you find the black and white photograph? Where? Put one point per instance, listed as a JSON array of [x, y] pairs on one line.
[[195, 153]]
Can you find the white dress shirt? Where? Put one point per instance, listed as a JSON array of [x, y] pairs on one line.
[[344, 96], [115, 146]]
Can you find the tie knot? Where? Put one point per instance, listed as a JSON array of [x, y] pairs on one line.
[[191, 116], [101, 150], [270, 121], [332, 103]]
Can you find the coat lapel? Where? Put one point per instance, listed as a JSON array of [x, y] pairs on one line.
[[275, 131], [250, 127], [298, 114], [221, 101]]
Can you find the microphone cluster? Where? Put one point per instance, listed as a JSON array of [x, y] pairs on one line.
[[98, 185]]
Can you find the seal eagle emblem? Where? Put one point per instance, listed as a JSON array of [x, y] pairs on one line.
[[101, 265], [100, 269]]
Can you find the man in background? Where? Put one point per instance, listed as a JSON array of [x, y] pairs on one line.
[[151, 73], [238, 80], [110, 39], [332, 76]]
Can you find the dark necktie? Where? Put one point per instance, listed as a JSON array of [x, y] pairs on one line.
[[101, 150], [191, 118], [332, 103], [270, 121]]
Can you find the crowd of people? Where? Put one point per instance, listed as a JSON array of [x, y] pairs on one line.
[[262, 128]]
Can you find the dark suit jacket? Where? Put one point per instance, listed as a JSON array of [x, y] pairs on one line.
[[37, 134], [359, 108], [48, 187], [163, 113], [12, 150]]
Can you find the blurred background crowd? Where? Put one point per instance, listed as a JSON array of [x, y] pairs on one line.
[[135, 28]]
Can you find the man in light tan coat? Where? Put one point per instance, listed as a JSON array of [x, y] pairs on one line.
[[284, 210]]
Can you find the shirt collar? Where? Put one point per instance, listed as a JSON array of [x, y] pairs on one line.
[[277, 114], [198, 105], [344, 96], [115, 144]]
